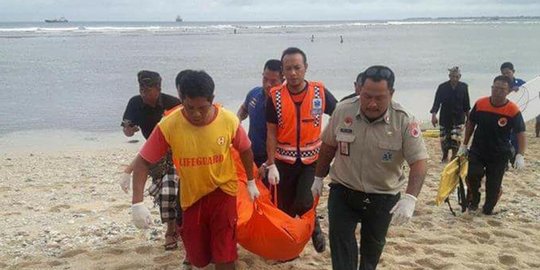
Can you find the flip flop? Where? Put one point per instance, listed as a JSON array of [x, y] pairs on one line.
[[171, 245]]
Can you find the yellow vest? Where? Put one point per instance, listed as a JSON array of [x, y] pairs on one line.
[[202, 154]]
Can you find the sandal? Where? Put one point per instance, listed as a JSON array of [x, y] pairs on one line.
[[171, 245]]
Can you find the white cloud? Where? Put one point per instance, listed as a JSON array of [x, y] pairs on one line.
[[214, 10]]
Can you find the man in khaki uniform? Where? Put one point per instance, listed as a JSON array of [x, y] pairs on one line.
[[370, 137]]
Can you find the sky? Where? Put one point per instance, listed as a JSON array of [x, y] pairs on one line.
[[259, 10]]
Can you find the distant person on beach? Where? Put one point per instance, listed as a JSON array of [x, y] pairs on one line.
[[537, 126], [452, 97], [201, 136], [369, 139], [340, 39], [492, 119], [312, 38], [294, 114], [143, 112], [507, 70], [357, 86], [254, 107]]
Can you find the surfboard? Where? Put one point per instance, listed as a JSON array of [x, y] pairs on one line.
[[528, 99]]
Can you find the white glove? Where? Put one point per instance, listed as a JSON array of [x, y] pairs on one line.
[[519, 163], [252, 189], [403, 211], [463, 150], [273, 174], [140, 215], [125, 182], [316, 188]]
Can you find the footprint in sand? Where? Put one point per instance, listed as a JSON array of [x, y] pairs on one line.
[[494, 223], [55, 263], [508, 260], [442, 253], [431, 263], [58, 208], [72, 253], [131, 266], [114, 251], [166, 259], [506, 234], [405, 249], [144, 250], [483, 235]]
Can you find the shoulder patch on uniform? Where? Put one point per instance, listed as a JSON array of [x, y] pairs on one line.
[[414, 129]]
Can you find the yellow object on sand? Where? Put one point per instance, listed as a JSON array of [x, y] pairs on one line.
[[431, 133], [450, 178]]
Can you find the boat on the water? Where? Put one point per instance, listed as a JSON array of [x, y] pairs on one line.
[[59, 20], [179, 19]]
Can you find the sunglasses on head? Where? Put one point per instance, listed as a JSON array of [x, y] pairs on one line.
[[379, 72]]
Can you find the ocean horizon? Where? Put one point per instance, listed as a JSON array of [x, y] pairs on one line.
[[79, 75]]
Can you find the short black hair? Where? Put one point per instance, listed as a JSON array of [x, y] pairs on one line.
[[380, 73], [507, 65], [147, 78], [359, 77], [293, 50], [503, 78], [180, 75], [196, 83], [273, 65]]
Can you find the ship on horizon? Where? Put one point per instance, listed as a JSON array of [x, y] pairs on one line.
[[59, 20], [179, 19]]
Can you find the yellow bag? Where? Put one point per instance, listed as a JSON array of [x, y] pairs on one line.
[[450, 178]]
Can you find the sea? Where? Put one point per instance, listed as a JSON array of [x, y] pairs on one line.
[[78, 76]]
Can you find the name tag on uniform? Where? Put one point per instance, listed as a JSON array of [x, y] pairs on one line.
[[316, 108], [344, 140]]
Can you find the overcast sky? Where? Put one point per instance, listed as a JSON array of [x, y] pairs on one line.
[[258, 10]]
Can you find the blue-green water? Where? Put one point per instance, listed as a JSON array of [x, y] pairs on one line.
[[80, 75]]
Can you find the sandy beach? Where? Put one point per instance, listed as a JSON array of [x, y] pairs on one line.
[[63, 209]]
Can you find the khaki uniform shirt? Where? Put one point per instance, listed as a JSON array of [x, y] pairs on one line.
[[370, 155]]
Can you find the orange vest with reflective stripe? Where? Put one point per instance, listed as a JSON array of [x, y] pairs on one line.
[[299, 127]]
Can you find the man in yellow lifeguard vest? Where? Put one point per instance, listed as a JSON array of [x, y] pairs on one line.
[[201, 136], [294, 122]]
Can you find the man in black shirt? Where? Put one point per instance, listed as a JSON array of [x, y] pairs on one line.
[[143, 112], [492, 119], [452, 98]]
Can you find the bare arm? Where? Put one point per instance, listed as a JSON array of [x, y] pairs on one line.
[[325, 158], [522, 143], [417, 175], [140, 174], [247, 161], [242, 113], [271, 142]]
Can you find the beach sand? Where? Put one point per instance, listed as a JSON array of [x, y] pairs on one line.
[[65, 210]]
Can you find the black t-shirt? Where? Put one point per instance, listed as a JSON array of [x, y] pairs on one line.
[[145, 116], [454, 104], [493, 127], [330, 106]]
